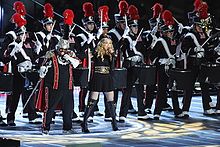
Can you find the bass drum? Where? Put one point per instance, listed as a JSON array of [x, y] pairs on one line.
[[6, 83], [146, 74], [212, 71], [119, 78], [80, 77], [182, 78]]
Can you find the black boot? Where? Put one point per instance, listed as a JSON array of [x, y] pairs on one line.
[[111, 108], [88, 111]]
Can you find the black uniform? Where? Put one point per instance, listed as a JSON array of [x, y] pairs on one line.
[[59, 86], [132, 75], [18, 79], [194, 64]]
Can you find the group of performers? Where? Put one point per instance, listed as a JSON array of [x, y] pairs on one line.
[[43, 63]]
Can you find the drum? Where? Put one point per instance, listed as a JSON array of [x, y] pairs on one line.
[[23, 58], [6, 82], [182, 78], [119, 78], [212, 71], [146, 74], [80, 77]]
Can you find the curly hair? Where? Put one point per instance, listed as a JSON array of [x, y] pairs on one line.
[[101, 50]]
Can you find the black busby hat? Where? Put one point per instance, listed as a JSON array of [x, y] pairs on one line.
[[88, 13], [20, 23], [133, 16], [103, 10], [123, 9], [168, 20], [48, 14]]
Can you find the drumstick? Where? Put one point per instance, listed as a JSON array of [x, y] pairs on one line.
[[72, 29], [36, 36], [83, 29]]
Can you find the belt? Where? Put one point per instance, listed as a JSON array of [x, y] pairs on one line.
[[102, 69]]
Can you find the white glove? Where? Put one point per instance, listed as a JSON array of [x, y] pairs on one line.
[[136, 58], [38, 47], [217, 49], [17, 48], [99, 33], [73, 61], [171, 62], [126, 31], [91, 37], [43, 71], [154, 30], [199, 51], [180, 28], [49, 36]]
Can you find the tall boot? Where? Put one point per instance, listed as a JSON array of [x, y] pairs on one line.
[[111, 108], [88, 111]]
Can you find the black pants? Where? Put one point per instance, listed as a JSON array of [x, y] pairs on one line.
[[162, 81], [125, 102], [65, 98], [13, 100], [204, 89]]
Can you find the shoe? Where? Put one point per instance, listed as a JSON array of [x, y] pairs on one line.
[[84, 127], [209, 112], [11, 123], [59, 113], [81, 114], [97, 113], [212, 105], [144, 117], [167, 108], [39, 115], [186, 115], [122, 119], [132, 111], [181, 115], [53, 121], [2, 123], [107, 119], [148, 111], [68, 132], [35, 121], [76, 120], [90, 119], [217, 112], [25, 115], [156, 117], [45, 132]]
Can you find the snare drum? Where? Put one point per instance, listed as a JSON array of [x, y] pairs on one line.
[[183, 78], [80, 77], [146, 74], [212, 71], [6, 82], [119, 78]]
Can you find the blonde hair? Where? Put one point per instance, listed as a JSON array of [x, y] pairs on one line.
[[101, 51]]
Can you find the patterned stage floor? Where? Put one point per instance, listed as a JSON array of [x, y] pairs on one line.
[[199, 130]]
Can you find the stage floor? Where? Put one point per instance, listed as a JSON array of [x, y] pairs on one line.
[[198, 130]]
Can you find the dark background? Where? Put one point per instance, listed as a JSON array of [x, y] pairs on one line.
[[179, 9]]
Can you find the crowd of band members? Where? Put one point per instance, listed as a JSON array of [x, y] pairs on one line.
[[167, 44]]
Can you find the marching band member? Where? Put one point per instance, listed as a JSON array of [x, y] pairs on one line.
[[192, 46], [163, 56], [87, 44], [132, 47], [19, 50]]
